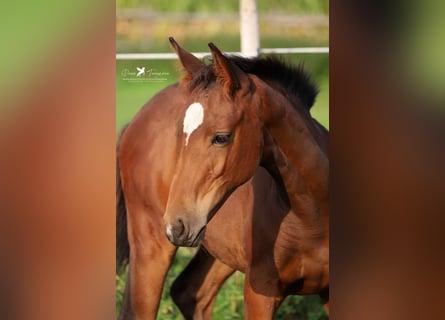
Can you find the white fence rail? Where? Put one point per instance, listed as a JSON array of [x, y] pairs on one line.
[[200, 55]]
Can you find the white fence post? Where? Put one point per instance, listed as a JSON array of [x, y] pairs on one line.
[[249, 28]]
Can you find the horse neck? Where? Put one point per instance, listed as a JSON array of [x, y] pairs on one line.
[[297, 151]]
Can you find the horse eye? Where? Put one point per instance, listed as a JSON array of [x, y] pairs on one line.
[[222, 139]]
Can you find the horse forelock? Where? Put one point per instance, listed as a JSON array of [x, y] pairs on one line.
[[200, 80]]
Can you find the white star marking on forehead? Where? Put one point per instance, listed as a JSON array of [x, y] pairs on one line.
[[194, 117]]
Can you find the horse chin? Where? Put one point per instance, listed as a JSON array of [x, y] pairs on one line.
[[198, 237], [188, 241]]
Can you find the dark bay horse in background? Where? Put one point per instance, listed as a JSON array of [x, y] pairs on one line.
[[235, 136]]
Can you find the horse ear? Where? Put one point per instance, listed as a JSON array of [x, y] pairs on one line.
[[189, 62], [231, 76]]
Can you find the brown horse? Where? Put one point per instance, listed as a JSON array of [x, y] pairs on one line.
[[247, 115], [231, 117], [146, 158]]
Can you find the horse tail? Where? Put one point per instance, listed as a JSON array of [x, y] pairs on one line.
[[122, 245]]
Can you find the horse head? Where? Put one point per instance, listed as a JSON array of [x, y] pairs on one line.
[[219, 143]]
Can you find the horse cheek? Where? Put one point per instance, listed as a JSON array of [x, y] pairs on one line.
[[219, 164]]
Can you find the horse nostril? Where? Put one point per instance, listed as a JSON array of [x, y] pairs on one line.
[[178, 230], [175, 231]]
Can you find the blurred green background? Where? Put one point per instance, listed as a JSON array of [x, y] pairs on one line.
[[303, 6], [143, 26]]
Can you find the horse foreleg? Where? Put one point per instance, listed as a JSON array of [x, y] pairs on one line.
[[151, 255], [147, 276], [261, 305], [196, 288]]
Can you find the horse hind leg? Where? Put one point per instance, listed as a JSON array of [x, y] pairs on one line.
[[196, 288]]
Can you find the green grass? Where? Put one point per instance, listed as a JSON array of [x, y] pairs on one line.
[[229, 303]]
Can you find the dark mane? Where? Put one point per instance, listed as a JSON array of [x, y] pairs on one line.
[[294, 80]]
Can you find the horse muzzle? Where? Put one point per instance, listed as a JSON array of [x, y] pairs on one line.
[[179, 235]]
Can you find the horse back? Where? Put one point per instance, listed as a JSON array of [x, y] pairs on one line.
[[145, 154]]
